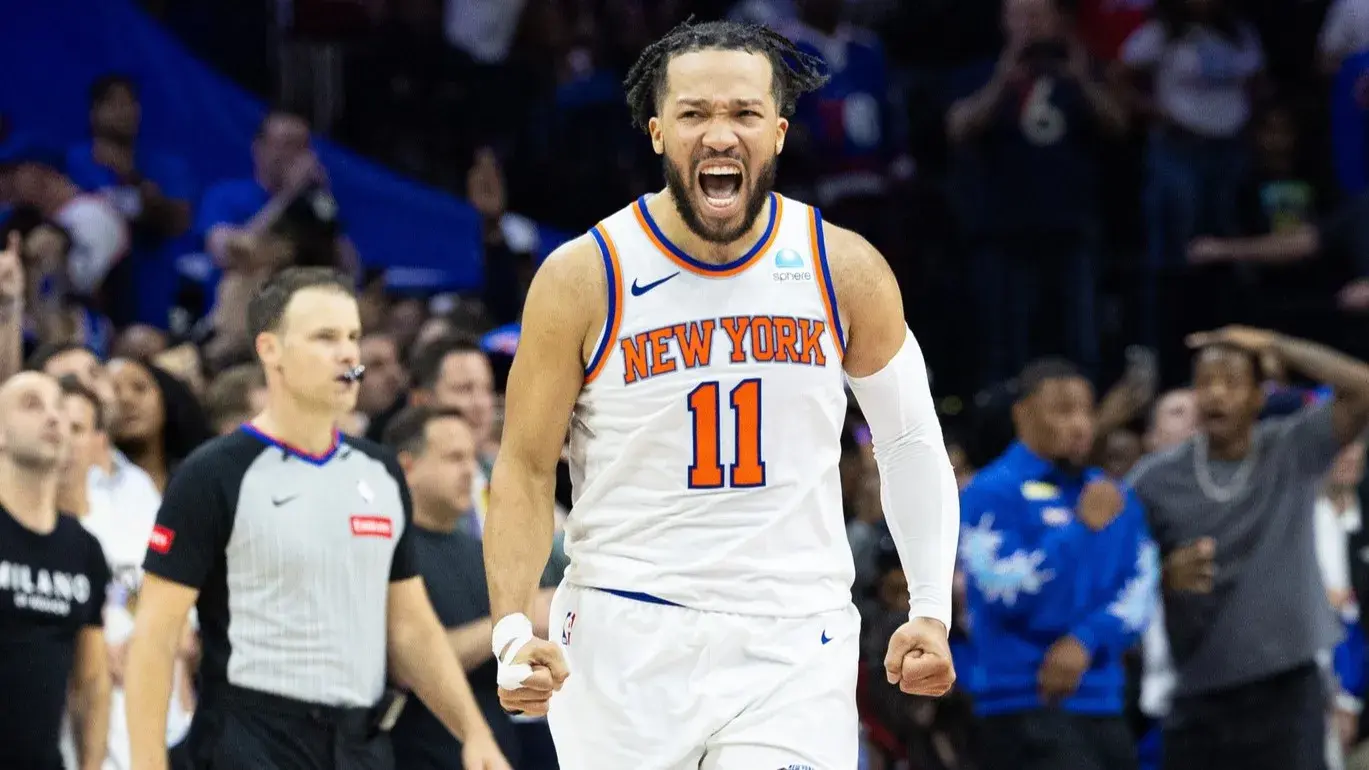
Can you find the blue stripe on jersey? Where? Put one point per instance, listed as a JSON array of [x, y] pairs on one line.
[[613, 300], [827, 278], [638, 596], [707, 266]]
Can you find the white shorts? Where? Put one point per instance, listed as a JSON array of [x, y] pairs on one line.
[[660, 687]]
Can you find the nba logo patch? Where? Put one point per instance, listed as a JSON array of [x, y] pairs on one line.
[[566, 627], [788, 259]]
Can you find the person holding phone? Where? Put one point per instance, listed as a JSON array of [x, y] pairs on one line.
[[1027, 145]]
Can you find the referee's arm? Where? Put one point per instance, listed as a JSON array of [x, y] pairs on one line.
[[190, 536], [421, 657]]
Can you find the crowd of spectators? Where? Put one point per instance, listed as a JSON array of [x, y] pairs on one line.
[[1092, 179]]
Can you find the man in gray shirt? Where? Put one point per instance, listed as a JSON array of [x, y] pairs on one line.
[[1231, 510]]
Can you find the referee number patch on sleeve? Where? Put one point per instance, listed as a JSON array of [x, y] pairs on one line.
[[161, 539]]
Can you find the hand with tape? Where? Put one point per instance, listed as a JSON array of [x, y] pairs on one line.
[[530, 669]]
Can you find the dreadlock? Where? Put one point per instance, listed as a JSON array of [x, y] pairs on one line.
[[795, 72]]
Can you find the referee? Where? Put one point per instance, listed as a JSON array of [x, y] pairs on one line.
[[294, 544]]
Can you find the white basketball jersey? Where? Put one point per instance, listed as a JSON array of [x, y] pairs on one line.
[[705, 443]]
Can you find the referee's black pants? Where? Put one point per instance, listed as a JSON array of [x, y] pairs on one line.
[[1276, 723], [239, 729], [1053, 739]]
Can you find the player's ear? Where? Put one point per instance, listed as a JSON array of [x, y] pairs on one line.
[[406, 461], [781, 130], [653, 128]]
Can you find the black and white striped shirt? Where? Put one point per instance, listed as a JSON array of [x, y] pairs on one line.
[[293, 555]]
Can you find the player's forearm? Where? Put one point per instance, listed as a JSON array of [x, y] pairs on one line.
[[90, 702], [518, 535], [922, 508], [422, 658], [471, 643], [917, 484], [147, 692]]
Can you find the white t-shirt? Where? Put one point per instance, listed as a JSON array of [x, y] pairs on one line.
[[1332, 529], [99, 239], [1200, 77], [123, 511]]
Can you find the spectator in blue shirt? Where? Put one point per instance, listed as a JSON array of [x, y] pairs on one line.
[[284, 214], [152, 190], [1061, 579]]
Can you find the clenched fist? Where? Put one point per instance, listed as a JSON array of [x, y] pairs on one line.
[[919, 658], [549, 672]]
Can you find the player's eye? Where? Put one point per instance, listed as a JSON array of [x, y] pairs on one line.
[[750, 114]]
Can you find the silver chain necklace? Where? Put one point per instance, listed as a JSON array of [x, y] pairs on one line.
[[1240, 480]]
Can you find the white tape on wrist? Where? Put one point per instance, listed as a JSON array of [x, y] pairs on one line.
[[511, 634]]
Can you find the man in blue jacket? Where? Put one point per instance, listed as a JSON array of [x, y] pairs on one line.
[[1061, 581]]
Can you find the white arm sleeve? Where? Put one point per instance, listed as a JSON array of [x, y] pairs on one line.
[[917, 486]]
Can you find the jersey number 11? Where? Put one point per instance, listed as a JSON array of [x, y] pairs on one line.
[[748, 470]]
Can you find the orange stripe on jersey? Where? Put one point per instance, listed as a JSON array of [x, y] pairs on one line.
[[824, 278], [613, 272], [684, 261]]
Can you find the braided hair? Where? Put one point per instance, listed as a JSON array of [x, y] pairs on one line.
[[795, 72]]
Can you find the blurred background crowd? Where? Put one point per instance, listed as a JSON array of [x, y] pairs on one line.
[[1088, 179]]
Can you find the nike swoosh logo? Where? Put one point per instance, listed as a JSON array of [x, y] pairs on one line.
[[638, 291], [283, 500], [825, 637]]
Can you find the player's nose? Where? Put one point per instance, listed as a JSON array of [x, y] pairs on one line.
[[720, 137]]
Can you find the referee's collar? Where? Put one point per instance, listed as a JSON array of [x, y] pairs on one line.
[[290, 449]]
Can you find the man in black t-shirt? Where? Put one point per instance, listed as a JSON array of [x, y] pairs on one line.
[[437, 451], [53, 578]]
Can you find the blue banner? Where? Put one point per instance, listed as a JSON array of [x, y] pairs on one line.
[[59, 47]]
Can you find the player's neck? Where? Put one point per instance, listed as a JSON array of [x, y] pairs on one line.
[[311, 431], [29, 495], [663, 211]]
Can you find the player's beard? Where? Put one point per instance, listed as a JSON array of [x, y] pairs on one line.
[[684, 195]]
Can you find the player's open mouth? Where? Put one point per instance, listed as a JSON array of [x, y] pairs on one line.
[[721, 184]]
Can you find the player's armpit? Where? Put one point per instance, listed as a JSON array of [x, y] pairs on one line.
[[564, 314], [868, 300]]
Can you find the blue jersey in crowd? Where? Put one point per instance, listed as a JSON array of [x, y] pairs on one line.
[[846, 118], [1036, 574], [154, 259]]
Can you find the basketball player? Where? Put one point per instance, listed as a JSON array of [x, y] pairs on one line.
[[696, 344]]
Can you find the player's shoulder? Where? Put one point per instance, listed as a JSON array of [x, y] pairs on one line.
[[568, 291], [858, 269], [578, 259]]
